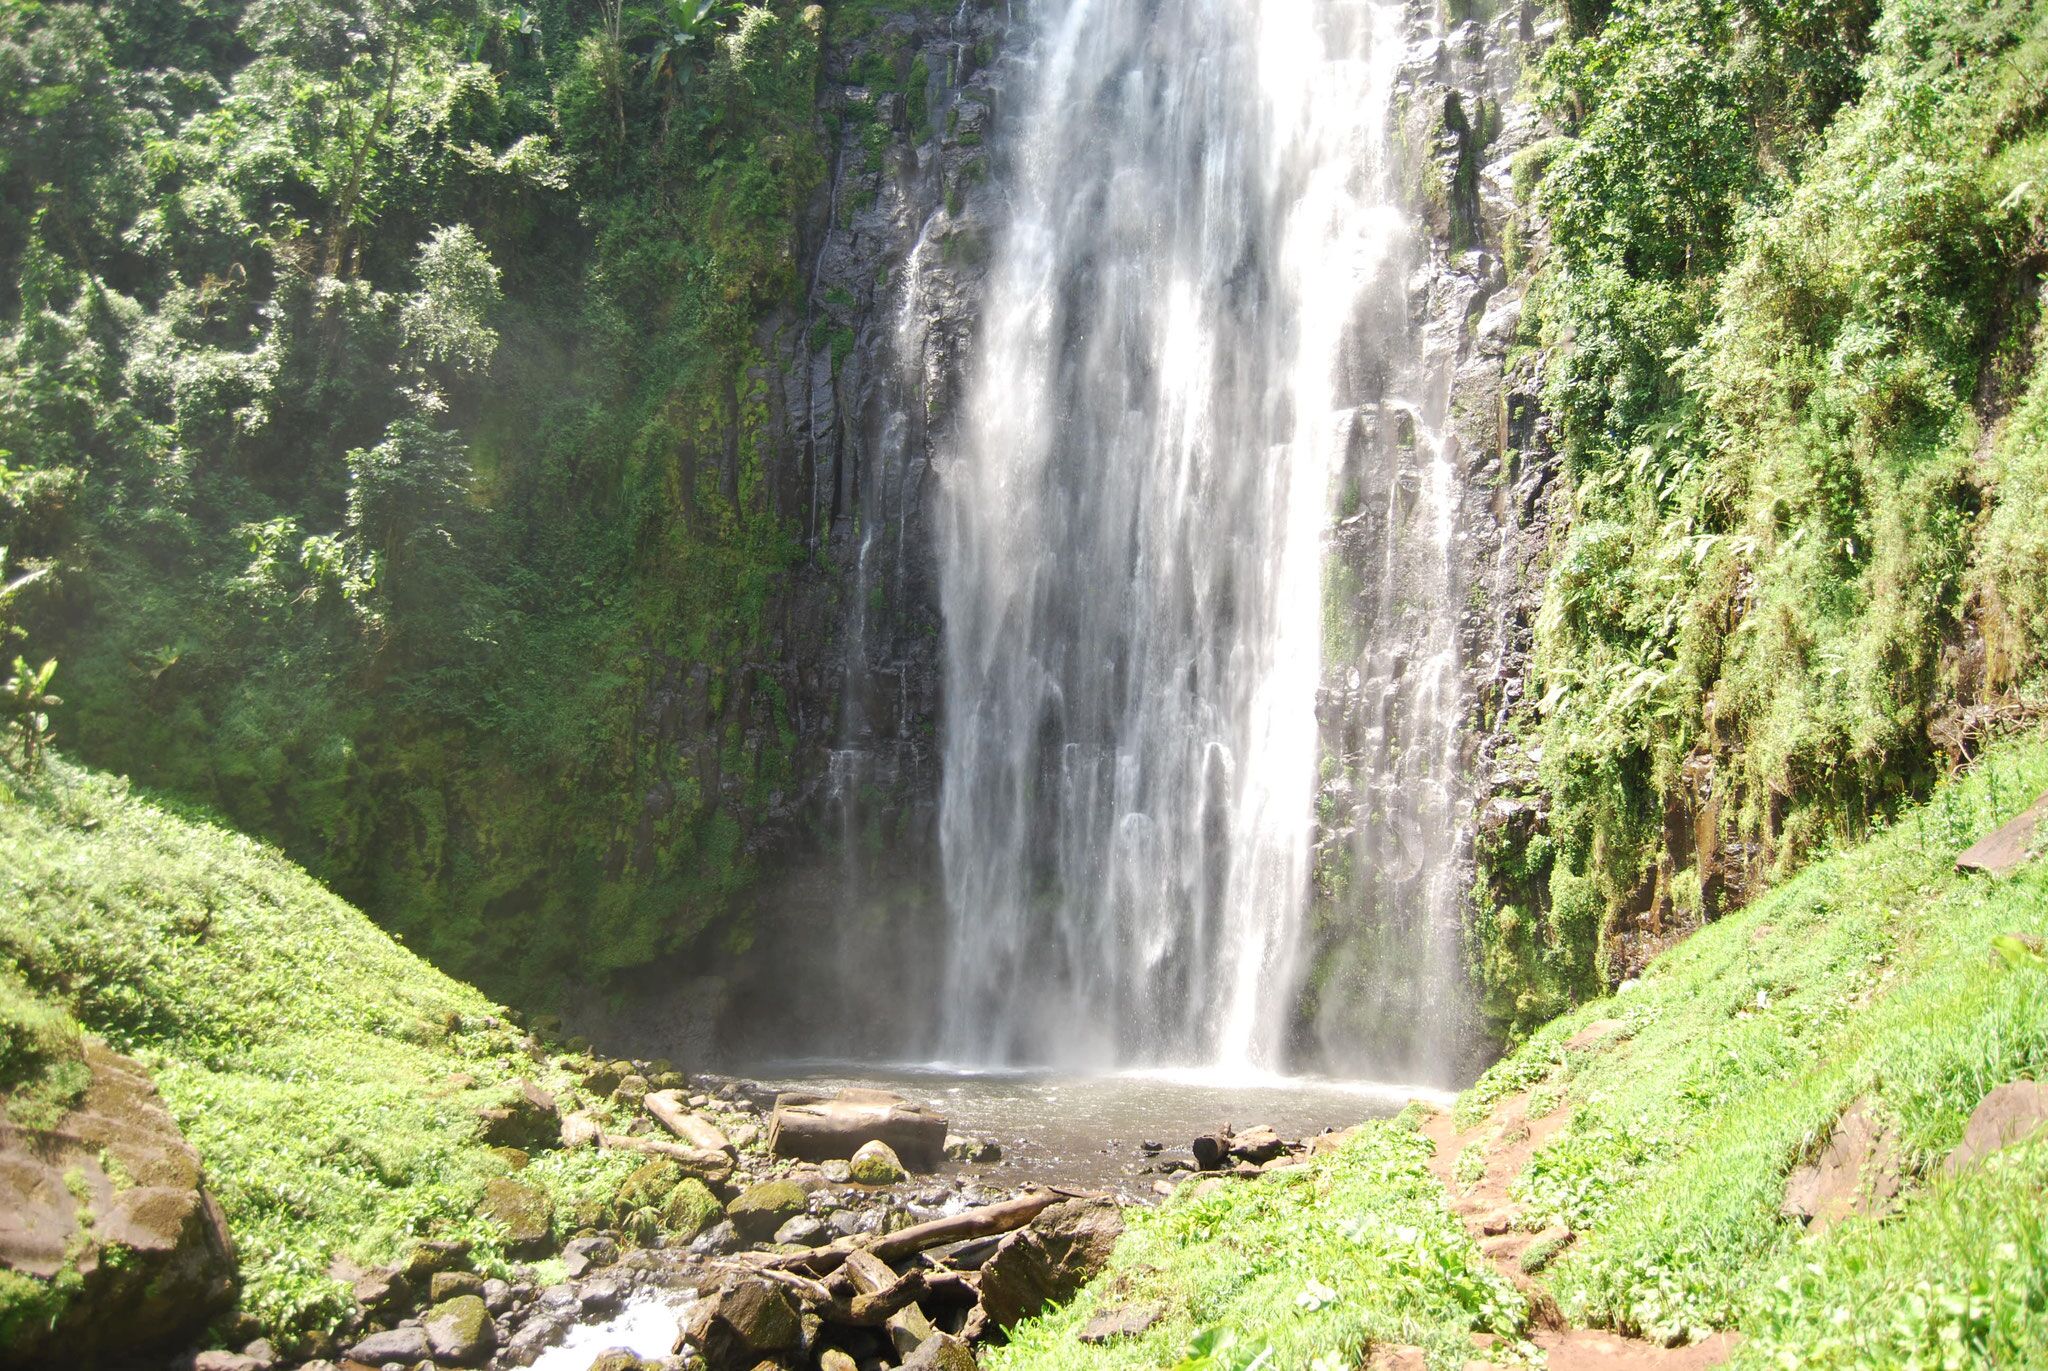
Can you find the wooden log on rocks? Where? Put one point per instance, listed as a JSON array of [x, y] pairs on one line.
[[713, 1167], [674, 1115], [970, 1223], [810, 1129]]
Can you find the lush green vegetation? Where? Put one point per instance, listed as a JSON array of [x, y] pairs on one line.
[[1880, 975], [1298, 1269], [385, 394], [329, 1077], [1876, 975], [1790, 295]]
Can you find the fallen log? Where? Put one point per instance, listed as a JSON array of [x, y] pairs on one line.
[[971, 1223], [674, 1115], [810, 1129], [705, 1166]]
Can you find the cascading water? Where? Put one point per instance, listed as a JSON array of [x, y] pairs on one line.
[[1133, 523]]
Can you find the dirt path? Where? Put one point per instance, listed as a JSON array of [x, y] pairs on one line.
[[1507, 1139]]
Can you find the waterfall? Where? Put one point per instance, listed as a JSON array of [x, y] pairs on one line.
[[1133, 523]]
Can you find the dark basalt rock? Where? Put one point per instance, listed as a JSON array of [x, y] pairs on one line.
[[1049, 1261]]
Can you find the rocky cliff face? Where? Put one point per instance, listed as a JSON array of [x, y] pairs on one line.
[[864, 382]]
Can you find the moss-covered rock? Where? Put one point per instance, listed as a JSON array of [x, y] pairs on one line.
[[526, 1212], [763, 1208], [690, 1209], [460, 1331], [113, 1243], [650, 1186], [875, 1163]]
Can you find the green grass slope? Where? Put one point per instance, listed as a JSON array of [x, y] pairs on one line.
[[1871, 976], [315, 1063]]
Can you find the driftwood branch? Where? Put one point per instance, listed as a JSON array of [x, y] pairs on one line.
[[971, 1223]]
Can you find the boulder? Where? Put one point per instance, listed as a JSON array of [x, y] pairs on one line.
[[815, 1129], [1857, 1172], [978, 1151], [1050, 1260], [1258, 1145], [631, 1091], [760, 1313], [446, 1285], [1127, 1322], [875, 1163], [1211, 1150], [908, 1329], [2005, 848], [834, 1359], [524, 1118], [801, 1231], [435, 1254], [690, 1208], [583, 1255], [382, 1291], [2010, 1113], [649, 1186], [460, 1332], [940, 1352], [406, 1345], [152, 1261], [763, 1208], [580, 1130], [736, 1328], [227, 1361], [526, 1212]]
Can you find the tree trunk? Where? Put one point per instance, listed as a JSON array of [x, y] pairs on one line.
[[811, 1129]]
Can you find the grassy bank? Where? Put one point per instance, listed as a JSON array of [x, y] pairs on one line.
[[1873, 976], [329, 1077], [1303, 1268]]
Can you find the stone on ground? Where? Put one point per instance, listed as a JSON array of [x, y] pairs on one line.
[[875, 1163], [940, 1352], [1857, 1172], [979, 1151], [527, 1213], [2005, 848], [1127, 1322], [763, 1208], [690, 1208], [408, 1345], [460, 1332], [908, 1329], [525, 1118], [2008, 1114], [1048, 1261], [1257, 1145], [117, 1161]]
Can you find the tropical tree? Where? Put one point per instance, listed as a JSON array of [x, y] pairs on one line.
[[682, 26], [28, 702]]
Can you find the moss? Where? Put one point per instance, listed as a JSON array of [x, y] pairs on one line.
[[690, 1208]]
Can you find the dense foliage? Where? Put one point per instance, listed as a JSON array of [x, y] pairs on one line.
[[1790, 298], [383, 394]]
